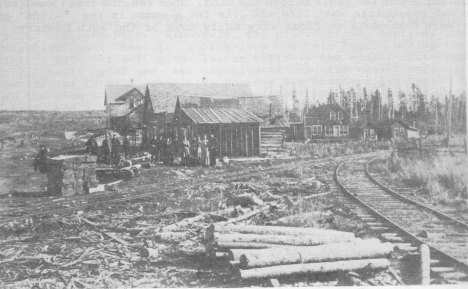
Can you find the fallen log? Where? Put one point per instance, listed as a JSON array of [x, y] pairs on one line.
[[185, 222], [245, 216], [236, 253], [311, 268], [322, 253], [278, 230], [307, 240]]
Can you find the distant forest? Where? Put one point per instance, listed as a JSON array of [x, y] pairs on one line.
[[413, 108]]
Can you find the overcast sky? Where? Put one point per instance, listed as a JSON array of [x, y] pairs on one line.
[[59, 54]]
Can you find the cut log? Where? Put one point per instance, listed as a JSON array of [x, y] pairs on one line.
[[311, 268], [222, 246], [278, 230], [307, 240], [185, 222], [323, 253]]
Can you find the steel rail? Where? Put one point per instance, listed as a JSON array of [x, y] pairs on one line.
[[146, 195], [405, 199], [460, 265]]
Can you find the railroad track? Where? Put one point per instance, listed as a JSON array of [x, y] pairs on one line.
[[20, 210], [405, 222]]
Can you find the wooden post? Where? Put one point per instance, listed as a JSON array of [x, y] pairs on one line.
[[219, 142], [241, 143], [231, 143], [252, 135], [425, 265]]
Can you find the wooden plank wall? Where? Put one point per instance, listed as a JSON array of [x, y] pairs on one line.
[[235, 140]]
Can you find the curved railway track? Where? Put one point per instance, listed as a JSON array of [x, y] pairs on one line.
[[406, 222], [60, 205]]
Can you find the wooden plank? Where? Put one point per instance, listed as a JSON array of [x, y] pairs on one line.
[[252, 147]]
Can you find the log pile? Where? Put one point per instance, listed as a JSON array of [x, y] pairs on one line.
[[273, 251]]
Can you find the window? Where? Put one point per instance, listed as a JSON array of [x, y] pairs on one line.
[[396, 133], [328, 130], [345, 130], [132, 103], [340, 115], [365, 133], [332, 115], [371, 133], [317, 129]]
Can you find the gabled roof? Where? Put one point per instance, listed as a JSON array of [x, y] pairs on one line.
[[390, 122], [363, 123], [163, 95], [133, 93], [115, 91], [323, 111], [260, 105], [220, 115]]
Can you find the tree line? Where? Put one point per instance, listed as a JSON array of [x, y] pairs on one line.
[[414, 107]]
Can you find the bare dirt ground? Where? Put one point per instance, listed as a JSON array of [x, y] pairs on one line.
[[102, 246]]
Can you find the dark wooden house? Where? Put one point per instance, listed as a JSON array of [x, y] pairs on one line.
[[237, 130], [327, 121], [396, 129], [363, 130]]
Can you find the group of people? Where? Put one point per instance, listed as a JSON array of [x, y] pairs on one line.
[[201, 151], [112, 149], [198, 151]]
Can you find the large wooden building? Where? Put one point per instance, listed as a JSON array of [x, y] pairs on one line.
[[327, 121], [237, 130]]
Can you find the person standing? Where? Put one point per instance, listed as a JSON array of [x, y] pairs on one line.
[[116, 149], [40, 162], [185, 147], [213, 146], [205, 151], [105, 149], [91, 145], [167, 155]]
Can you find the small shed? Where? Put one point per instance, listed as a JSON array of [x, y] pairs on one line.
[[396, 129], [237, 130]]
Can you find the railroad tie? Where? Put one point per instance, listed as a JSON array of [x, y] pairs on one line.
[[393, 239], [378, 228], [454, 275], [439, 270]]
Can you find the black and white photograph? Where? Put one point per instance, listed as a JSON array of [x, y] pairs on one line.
[[233, 143]]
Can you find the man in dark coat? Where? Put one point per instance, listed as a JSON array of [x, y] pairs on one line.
[[116, 149], [40, 162], [213, 147], [91, 145]]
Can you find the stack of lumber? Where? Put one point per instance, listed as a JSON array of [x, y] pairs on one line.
[[275, 251]]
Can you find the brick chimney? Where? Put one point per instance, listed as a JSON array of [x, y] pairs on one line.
[[203, 80]]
